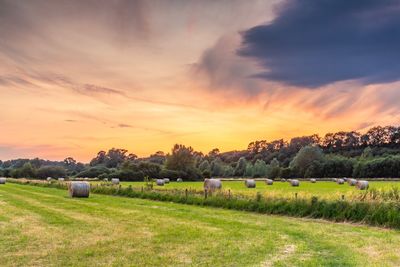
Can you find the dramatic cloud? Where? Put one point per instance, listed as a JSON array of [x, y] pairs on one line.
[[315, 43]]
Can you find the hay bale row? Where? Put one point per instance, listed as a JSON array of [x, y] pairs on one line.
[[352, 182], [250, 183], [269, 182], [294, 182], [212, 184], [115, 181], [3, 180], [362, 185], [339, 181], [160, 182], [79, 189]]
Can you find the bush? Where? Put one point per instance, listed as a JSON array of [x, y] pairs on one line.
[[51, 171], [94, 172]]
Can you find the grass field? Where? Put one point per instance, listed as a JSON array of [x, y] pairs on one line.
[[43, 227], [322, 189]]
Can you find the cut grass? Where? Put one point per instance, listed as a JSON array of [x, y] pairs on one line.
[[43, 227]]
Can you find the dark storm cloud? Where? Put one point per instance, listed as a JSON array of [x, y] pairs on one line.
[[312, 43]]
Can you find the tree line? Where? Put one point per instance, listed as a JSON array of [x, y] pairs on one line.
[[375, 153]]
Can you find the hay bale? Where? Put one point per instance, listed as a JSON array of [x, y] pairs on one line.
[[283, 180], [105, 179], [352, 182], [3, 180], [166, 180], [362, 185], [312, 180], [269, 182], [250, 183], [345, 179], [61, 179], [294, 182], [78, 189], [115, 181], [179, 180], [212, 184], [340, 181], [160, 182], [49, 179], [334, 180]]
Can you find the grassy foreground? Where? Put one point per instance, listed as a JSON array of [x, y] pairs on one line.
[[43, 227]]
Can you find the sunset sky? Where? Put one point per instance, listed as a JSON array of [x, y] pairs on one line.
[[79, 76]]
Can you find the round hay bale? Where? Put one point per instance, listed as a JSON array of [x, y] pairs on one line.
[[250, 183], [61, 179], [79, 189], [340, 181], [179, 180], [283, 180], [352, 182], [212, 184], [49, 179], [294, 182], [3, 180], [166, 180], [312, 180], [105, 179], [115, 181], [269, 182], [160, 182], [362, 185], [334, 180], [345, 179]]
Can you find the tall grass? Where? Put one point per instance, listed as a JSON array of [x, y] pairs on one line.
[[373, 207]]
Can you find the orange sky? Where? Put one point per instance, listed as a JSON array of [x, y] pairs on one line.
[[74, 81]]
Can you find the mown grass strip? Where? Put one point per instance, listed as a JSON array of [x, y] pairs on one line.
[[374, 213]]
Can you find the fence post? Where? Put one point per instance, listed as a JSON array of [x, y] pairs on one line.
[[342, 197], [186, 193], [295, 195], [205, 193], [229, 193]]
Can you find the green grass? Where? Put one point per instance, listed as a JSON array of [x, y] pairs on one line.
[[321, 189], [43, 227]]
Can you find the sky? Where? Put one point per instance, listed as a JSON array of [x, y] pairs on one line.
[[80, 76]]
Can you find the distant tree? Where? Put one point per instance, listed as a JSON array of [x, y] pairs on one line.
[[260, 169], [228, 171], [241, 167], [217, 168], [305, 157], [181, 158], [100, 159], [367, 153], [274, 169], [205, 166], [51, 171], [69, 162], [26, 171], [248, 172], [115, 157]]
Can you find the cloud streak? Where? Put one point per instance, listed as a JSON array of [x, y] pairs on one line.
[[316, 43]]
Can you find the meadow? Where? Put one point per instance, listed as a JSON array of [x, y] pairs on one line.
[[321, 189], [44, 227]]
